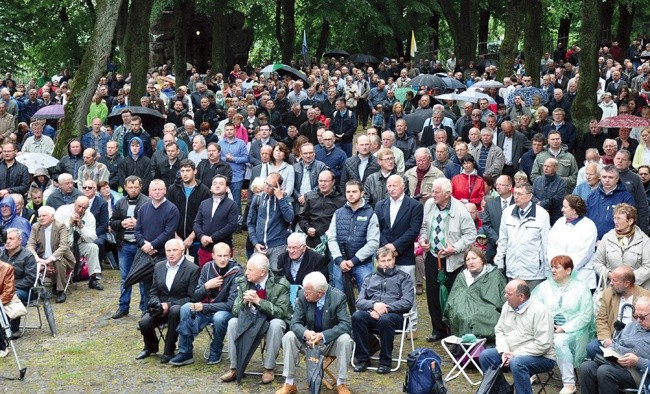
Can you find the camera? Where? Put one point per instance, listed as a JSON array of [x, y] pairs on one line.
[[155, 309]]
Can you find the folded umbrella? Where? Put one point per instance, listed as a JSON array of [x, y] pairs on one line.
[[442, 280], [314, 365], [250, 329], [141, 269]]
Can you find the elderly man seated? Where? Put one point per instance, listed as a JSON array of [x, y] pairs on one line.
[[298, 260], [260, 295], [615, 308], [215, 293], [50, 244], [24, 269], [320, 318], [81, 223], [632, 353], [524, 338], [384, 297]]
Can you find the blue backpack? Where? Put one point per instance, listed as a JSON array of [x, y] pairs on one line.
[[424, 375]]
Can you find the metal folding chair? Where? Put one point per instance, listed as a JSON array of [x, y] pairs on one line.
[[643, 386], [33, 299]]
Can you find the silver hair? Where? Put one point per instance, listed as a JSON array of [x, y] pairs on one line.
[[317, 281]]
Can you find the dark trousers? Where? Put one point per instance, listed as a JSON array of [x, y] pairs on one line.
[[362, 112], [362, 323], [433, 291], [604, 379], [148, 326]]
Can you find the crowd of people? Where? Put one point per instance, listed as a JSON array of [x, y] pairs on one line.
[[524, 214]]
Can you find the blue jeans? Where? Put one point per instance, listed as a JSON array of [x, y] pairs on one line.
[[522, 368], [24, 294], [360, 272], [126, 255], [219, 322], [593, 348], [235, 189]]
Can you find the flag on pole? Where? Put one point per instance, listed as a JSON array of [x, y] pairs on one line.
[[414, 46], [305, 50]]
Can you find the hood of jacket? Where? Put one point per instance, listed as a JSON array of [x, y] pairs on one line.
[[141, 151], [8, 202]]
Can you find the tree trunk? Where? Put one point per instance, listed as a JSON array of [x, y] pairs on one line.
[[434, 23], [92, 66], [324, 39], [584, 106], [564, 30], [483, 27], [625, 19], [182, 14], [137, 47], [463, 27], [219, 39], [509, 46], [289, 28], [533, 38], [607, 18], [278, 23], [120, 31]]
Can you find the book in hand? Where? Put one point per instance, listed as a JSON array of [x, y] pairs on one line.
[[610, 355]]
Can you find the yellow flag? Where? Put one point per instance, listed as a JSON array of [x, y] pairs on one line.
[[414, 46]]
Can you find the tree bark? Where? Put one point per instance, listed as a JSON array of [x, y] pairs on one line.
[[509, 46], [323, 39], [483, 27], [434, 23], [625, 19], [533, 38], [289, 28], [607, 18], [564, 30], [584, 106], [182, 14], [219, 39], [463, 25], [120, 29], [137, 47], [92, 65]]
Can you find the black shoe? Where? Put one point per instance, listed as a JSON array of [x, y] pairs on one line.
[[383, 369], [120, 314], [144, 354], [165, 358], [362, 366], [435, 337], [60, 298], [94, 284]]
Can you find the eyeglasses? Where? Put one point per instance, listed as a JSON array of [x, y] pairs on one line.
[[88, 187], [640, 317]]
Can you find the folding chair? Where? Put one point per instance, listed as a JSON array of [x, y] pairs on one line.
[[69, 273], [463, 361], [644, 388], [329, 380], [33, 298], [543, 382], [206, 352], [162, 332]]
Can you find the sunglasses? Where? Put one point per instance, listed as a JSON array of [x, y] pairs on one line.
[[640, 317], [88, 187]]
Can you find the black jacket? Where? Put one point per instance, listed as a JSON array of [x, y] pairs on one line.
[[187, 206], [120, 213], [112, 163], [223, 297], [15, 178], [206, 171], [318, 213]]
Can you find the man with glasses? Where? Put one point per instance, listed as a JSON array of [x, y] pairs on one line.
[[632, 353], [14, 176], [81, 231], [375, 185]]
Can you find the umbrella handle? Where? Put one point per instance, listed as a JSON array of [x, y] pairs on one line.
[[439, 262]]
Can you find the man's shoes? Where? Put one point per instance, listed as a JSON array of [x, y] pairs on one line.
[[362, 366], [94, 284], [268, 376], [435, 337], [229, 376], [3, 353], [287, 389], [119, 314], [214, 360], [419, 290], [60, 298], [166, 358], [342, 389], [16, 335], [568, 389], [144, 354], [383, 369], [182, 359]]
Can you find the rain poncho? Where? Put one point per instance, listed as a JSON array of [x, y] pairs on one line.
[[572, 302], [475, 308]]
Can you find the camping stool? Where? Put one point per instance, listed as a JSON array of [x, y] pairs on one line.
[[162, 332], [329, 380], [69, 273], [206, 351], [543, 382], [463, 361], [33, 298]]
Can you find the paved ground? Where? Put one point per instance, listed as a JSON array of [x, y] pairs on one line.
[[94, 353]]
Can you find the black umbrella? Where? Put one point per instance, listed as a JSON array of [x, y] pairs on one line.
[[348, 287], [141, 269], [250, 328], [314, 366], [428, 80], [283, 69], [151, 118], [415, 120], [451, 83], [336, 53], [47, 310], [362, 58]]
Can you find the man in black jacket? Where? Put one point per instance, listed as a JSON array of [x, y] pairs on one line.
[[112, 161], [174, 283], [215, 293], [14, 176], [187, 195], [212, 166], [136, 163], [298, 260]]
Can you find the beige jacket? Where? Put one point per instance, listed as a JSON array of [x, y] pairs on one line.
[[528, 332]]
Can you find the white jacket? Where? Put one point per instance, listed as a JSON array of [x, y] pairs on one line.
[[577, 241], [522, 243]]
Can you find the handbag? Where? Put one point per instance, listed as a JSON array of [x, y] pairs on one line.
[[494, 382], [15, 308]]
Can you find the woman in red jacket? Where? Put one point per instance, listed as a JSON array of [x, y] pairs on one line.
[[468, 186]]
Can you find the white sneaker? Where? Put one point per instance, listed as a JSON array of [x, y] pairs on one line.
[[3, 353]]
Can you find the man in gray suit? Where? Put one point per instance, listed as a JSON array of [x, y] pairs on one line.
[[513, 144], [491, 215], [489, 156], [320, 317]]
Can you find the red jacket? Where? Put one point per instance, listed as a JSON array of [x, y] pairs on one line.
[[468, 187]]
